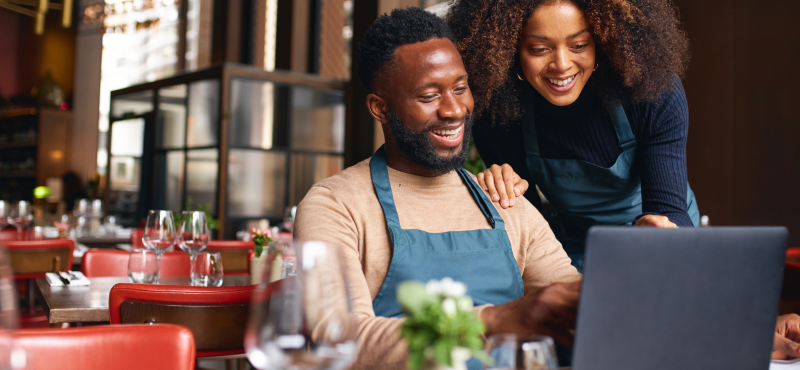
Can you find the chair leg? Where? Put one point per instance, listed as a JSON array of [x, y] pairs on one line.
[[242, 364], [228, 364], [31, 296]]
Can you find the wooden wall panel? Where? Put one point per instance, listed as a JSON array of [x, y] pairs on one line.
[[743, 155]]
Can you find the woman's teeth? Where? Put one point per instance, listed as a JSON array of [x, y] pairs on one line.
[[562, 82], [448, 134]]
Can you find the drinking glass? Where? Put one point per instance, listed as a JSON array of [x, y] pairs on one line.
[[193, 237], [159, 232], [5, 212], [302, 319], [143, 267], [507, 351], [21, 215], [288, 217], [207, 269]]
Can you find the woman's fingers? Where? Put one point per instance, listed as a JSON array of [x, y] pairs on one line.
[[502, 184], [481, 180], [489, 186], [656, 221], [510, 179]]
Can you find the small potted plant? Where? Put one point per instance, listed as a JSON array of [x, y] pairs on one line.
[[441, 329]]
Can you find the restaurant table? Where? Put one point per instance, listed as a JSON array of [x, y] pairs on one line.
[[89, 304], [103, 242]]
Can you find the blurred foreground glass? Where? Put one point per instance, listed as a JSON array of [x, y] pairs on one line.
[[12, 357], [193, 237], [143, 267], [21, 215], [536, 352], [288, 217], [159, 232], [207, 269], [302, 319]]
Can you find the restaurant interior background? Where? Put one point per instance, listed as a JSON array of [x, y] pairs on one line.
[[237, 107]]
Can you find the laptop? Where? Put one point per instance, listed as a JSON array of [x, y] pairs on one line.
[[678, 299]]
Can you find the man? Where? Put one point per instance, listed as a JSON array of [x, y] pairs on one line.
[[411, 213]]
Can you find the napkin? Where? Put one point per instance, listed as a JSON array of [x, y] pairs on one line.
[[53, 280], [785, 364]]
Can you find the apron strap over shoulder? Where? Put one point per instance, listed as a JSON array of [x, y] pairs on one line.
[[489, 211], [383, 188], [621, 125]]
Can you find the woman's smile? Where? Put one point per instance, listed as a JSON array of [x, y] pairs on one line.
[[562, 84]]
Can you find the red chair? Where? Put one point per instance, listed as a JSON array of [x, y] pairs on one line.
[[793, 254], [128, 347], [235, 255], [111, 262], [136, 238], [216, 316], [31, 259]]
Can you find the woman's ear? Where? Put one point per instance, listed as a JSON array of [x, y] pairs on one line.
[[377, 107]]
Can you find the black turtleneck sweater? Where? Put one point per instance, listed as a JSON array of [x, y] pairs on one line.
[[584, 131]]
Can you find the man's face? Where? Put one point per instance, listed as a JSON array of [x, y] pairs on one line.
[[429, 104]]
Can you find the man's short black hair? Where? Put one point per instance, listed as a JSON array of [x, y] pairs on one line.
[[388, 32]]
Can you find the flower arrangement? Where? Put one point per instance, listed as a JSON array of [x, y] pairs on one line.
[[261, 238], [440, 325]]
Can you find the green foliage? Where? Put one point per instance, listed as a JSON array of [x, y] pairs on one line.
[[474, 163], [431, 332], [213, 223]]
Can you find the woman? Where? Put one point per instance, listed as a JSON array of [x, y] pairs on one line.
[[581, 98]]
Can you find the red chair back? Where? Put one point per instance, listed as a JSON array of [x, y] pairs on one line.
[[136, 238], [111, 262], [216, 316], [31, 259], [235, 255], [128, 347]]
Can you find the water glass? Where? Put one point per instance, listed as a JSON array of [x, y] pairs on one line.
[[288, 217], [303, 319], [159, 232], [143, 267], [207, 269], [20, 216], [507, 351]]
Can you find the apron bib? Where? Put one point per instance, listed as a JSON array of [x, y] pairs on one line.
[[482, 259], [584, 194]]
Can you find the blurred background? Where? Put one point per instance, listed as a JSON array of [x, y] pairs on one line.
[[238, 107]]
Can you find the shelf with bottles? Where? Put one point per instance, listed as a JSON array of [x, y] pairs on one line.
[[18, 131]]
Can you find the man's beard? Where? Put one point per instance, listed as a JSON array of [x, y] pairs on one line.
[[418, 148]]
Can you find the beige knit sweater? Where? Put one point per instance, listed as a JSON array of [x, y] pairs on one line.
[[344, 210]]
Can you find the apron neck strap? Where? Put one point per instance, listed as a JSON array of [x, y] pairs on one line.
[[489, 211], [621, 126], [383, 188]]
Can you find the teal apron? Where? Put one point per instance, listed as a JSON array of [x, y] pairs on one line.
[[584, 194], [482, 259]]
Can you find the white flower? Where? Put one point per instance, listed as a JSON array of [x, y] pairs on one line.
[[452, 288], [433, 287], [464, 304], [449, 307]]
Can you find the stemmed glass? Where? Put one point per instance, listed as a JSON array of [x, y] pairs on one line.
[[535, 352], [20, 216], [302, 319], [193, 238], [288, 217], [5, 212], [159, 233]]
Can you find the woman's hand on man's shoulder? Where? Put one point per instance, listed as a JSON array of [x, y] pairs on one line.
[[503, 184]]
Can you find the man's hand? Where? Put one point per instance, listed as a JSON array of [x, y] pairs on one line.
[[787, 337], [656, 221], [549, 311], [503, 184]]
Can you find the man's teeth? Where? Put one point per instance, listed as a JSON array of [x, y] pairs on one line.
[[449, 134], [562, 82]]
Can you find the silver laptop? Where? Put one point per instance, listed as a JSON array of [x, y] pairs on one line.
[[678, 299]]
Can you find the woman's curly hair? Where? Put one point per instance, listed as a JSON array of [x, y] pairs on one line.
[[640, 39]]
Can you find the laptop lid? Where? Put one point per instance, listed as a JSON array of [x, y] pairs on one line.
[[689, 298]]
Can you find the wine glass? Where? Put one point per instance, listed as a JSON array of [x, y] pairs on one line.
[[302, 318], [193, 237], [5, 212], [159, 233], [288, 217], [21, 215]]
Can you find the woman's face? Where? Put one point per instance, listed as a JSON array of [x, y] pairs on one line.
[[556, 52]]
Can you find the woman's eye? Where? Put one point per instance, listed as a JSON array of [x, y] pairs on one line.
[[428, 97], [580, 47], [538, 50], [461, 89]]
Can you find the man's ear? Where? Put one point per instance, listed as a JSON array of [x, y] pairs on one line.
[[378, 107]]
